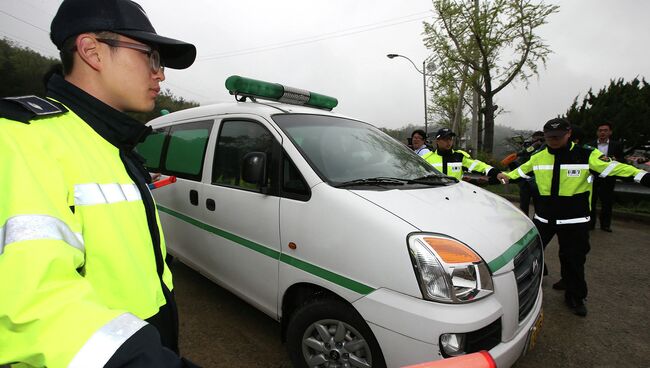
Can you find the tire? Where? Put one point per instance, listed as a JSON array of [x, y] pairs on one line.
[[330, 333]]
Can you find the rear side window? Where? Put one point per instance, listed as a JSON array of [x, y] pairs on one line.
[[236, 139], [151, 149], [179, 150], [186, 150]]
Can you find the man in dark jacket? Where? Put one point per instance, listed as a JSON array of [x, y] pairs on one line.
[[80, 237], [563, 175], [603, 185]]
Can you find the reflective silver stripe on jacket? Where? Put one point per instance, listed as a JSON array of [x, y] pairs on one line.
[[543, 167], [93, 193], [638, 176], [522, 173], [577, 220], [472, 166], [439, 164], [101, 346], [35, 227], [574, 167], [609, 169]]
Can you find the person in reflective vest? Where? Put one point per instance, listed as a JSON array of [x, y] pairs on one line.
[[563, 176], [452, 162], [81, 250]]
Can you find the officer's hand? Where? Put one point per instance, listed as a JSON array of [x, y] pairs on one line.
[[503, 178], [645, 179]]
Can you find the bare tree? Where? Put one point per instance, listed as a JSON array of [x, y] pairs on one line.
[[493, 40]]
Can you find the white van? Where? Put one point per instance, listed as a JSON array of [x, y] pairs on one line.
[[366, 254]]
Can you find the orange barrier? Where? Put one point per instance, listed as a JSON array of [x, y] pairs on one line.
[[509, 159], [162, 182], [482, 359]]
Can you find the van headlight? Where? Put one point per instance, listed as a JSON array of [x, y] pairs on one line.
[[448, 271]]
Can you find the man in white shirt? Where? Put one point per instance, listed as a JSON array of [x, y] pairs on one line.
[[418, 141]]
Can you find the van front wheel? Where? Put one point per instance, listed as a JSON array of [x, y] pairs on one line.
[[330, 333]]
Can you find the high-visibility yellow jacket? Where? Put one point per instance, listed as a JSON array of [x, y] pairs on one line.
[[564, 180], [452, 163], [81, 251]]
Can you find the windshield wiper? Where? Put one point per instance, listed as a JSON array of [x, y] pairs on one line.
[[434, 179], [373, 181]]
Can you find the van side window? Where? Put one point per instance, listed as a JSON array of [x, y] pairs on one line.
[[152, 147], [293, 184], [236, 139], [178, 150]]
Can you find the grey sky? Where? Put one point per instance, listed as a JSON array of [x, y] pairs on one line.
[[339, 47]]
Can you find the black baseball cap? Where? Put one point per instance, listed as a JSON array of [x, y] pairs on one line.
[[123, 17], [444, 132], [557, 127]]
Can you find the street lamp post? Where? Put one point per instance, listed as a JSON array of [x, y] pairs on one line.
[[424, 82]]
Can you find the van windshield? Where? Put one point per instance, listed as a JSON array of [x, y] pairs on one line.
[[344, 151]]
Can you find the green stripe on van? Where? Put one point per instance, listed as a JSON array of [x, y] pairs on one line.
[[514, 249], [297, 263], [327, 275], [224, 234]]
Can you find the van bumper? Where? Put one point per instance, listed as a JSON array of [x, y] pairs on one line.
[[408, 329]]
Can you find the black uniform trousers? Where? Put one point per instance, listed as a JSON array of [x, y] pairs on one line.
[[527, 191], [574, 246], [603, 189]]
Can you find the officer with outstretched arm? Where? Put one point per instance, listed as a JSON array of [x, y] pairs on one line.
[[563, 177], [452, 162], [84, 282]]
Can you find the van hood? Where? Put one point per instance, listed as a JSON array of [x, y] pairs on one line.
[[486, 222]]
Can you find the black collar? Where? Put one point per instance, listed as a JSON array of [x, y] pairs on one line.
[[118, 128], [561, 150], [445, 153]]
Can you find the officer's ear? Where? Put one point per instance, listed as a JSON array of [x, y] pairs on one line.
[[88, 50]]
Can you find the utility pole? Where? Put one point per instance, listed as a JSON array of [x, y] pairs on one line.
[[424, 83]]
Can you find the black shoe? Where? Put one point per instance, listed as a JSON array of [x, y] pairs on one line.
[[560, 285], [580, 309], [577, 306], [569, 302], [607, 229]]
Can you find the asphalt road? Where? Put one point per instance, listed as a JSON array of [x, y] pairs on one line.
[[219, 330]]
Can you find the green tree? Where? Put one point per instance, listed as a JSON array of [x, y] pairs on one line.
[[625, 104], [494, 39], [21, 70], [449, 99]]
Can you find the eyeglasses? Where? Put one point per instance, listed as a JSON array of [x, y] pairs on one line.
[[154, 56]]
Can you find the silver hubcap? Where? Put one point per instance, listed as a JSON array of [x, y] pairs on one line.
[[330, 343]]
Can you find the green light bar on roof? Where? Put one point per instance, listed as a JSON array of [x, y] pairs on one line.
[[276, 92]]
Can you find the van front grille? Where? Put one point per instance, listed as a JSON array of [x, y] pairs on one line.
[[529, 265]]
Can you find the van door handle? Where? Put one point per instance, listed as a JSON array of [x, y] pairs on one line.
[[209, 203], [194, 197]]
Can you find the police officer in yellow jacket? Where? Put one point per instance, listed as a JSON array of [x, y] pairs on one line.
[[451, 162], [81, 250], [563, 177]]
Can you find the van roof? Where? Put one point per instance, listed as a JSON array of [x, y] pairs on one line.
[[261, 108]]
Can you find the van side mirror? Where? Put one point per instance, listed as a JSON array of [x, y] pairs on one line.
[[253, 169]]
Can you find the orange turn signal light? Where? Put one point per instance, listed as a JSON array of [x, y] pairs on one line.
[[452, 251]]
